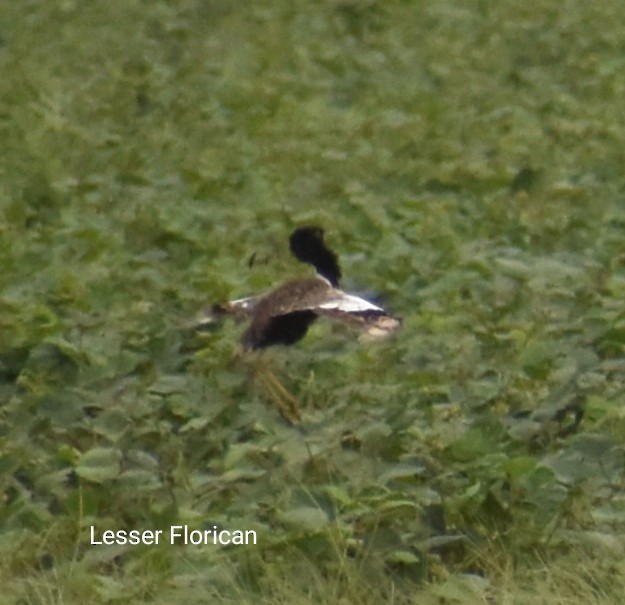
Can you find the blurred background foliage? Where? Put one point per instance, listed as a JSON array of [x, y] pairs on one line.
[[466, 160]]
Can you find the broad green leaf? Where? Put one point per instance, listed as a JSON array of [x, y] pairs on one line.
[[307, 518], [99, 464]]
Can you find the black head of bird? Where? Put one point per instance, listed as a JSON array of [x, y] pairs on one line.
[[283, 315]]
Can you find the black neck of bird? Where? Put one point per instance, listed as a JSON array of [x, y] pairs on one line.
[[307, 245]]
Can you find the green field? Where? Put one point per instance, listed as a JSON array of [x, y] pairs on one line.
[[466, 160]]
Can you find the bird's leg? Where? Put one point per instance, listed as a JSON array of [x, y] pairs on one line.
[[282, 398]]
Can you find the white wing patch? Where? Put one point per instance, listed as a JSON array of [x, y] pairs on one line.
[[348, 304], [240, 308], [244, 304]]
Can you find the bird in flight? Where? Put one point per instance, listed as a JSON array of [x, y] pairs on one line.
[[283, 315]]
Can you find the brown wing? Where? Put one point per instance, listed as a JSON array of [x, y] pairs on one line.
[[284, 315]]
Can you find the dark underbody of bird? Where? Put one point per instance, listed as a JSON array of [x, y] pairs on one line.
[[283, 315]]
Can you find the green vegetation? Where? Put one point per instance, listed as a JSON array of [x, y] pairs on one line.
[[466, 160]]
